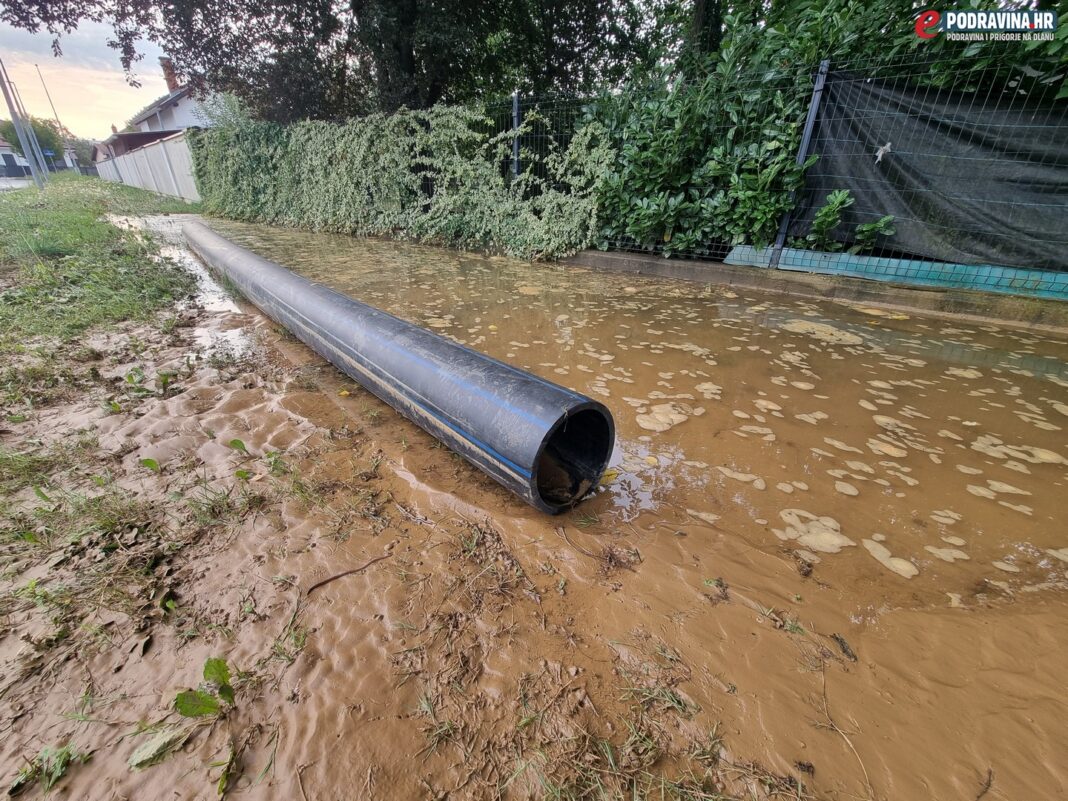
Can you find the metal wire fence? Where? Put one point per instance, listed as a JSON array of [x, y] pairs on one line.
[[889, 169], [545, 124], [969, 167]]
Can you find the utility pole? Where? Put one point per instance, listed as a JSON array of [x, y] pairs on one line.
[[31, 134], [24, 142], [49, 96], [517, 119], [59, 125]]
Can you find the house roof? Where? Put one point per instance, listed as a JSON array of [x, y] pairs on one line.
[[127, 141], [134, 139], [159, 104]]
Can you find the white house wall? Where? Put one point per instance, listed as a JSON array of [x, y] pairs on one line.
[[176, 117], [183, 114]]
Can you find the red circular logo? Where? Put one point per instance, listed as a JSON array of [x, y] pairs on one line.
[[926, 22]]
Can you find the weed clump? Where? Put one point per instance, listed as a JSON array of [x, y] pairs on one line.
[[47, 768]]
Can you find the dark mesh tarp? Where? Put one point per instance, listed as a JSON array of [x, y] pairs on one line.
[[973, 178]]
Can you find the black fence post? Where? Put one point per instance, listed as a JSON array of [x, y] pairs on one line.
[[517, 119], [802, 154]]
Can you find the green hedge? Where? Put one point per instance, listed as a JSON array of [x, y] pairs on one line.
[[436, 176], [664, 169]]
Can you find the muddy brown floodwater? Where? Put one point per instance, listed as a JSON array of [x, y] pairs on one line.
[[891, 478], [864, 440], [828, 560]]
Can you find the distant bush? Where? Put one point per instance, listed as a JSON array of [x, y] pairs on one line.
[[439, 176]]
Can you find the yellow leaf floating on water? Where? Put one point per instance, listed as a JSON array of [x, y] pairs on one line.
[[610, 475]]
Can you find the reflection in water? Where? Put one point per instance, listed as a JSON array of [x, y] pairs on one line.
[[890, 447]]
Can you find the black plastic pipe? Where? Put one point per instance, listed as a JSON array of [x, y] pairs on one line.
[[545, 443]]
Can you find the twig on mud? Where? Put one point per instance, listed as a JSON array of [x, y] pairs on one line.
[[300, 780], [413, 516], [288, 628], [830, 724], [277, 580], [580, 549], [987, 784], [360, 569], [556, 697]]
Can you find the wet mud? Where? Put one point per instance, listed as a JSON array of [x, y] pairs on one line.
[[827, 560]]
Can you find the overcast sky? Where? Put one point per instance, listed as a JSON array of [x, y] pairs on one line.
[[87, 82]]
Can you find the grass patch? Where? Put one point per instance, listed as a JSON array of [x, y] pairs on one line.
[[70, 518], [33, 383], [660, 697], [64, 269], [21, 469]]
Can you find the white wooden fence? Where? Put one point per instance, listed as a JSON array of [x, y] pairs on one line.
[[164, 166]]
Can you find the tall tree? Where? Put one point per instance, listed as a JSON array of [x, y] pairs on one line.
[[326, 59], [49, 137]]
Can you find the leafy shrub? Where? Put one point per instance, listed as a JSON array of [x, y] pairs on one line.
[[828, 218], [864, 239], [707, 161], [695, 159], [435, 176]]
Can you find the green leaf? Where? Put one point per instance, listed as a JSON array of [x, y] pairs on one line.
[[238, 445], [242, 474], [196, 704], [40, 493], [216, 670], [152, 465], [226, 692]]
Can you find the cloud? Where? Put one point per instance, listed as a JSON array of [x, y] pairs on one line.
[[87, 83], [85, 47]]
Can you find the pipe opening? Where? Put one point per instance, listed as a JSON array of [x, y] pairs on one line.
[[573, 458]]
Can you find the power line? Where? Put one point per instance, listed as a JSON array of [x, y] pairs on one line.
[[49, 96]]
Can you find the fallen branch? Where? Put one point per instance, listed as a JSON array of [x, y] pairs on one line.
[[830, 724], [360, 569]]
